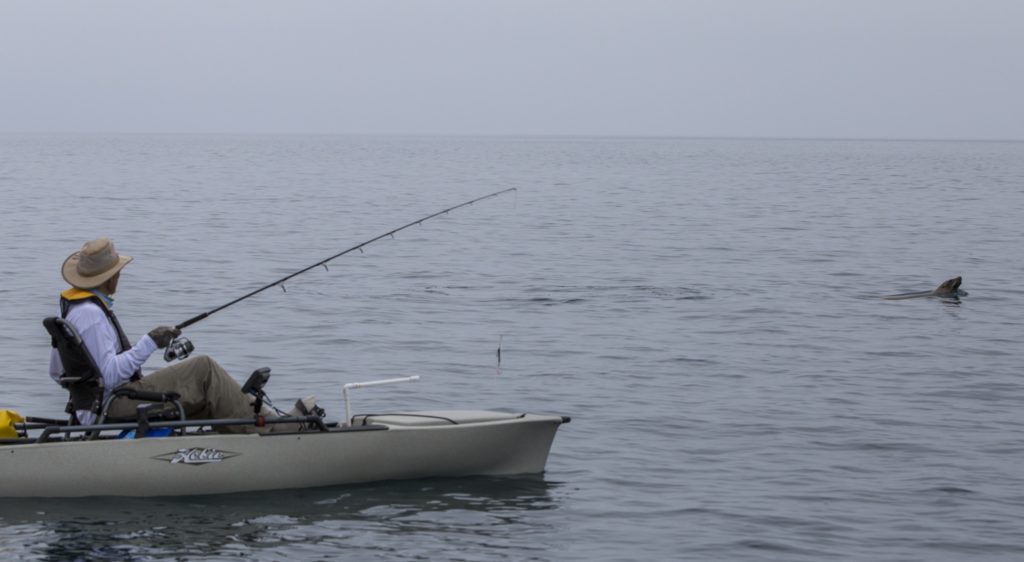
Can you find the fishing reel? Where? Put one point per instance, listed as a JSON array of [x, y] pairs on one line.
[[179, 348]]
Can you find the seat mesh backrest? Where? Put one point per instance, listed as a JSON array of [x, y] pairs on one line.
[[77, 360], [86, 393]]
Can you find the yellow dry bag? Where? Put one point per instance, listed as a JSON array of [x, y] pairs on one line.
[[7, 420]]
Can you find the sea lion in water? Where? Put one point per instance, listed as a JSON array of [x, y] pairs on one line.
[[949, 289]]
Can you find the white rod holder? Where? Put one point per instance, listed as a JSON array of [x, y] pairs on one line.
[[355, 385]]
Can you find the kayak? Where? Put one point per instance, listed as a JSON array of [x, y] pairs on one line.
[[141, 457], [50, 459], [387, 447]]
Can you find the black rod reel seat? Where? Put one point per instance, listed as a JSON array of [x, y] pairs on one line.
[[83, 380]]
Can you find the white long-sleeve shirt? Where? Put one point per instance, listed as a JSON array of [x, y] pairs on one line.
[[101, 340]]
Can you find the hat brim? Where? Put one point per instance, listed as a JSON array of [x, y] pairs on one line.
[[70, 272]]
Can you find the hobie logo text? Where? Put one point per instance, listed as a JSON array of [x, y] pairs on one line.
[[196, 456]]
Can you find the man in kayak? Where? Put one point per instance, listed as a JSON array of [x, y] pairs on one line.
[[206, 389]]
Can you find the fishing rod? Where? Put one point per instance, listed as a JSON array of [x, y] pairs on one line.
[[323, 262]]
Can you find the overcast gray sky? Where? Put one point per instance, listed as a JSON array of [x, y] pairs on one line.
[[737, 68]]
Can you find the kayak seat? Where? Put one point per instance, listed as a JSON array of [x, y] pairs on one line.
[[84, 381], [172, 411]]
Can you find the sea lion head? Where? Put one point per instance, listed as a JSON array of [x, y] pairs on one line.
[[949, 287]]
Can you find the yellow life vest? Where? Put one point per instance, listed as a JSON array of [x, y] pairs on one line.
[[74, 295]]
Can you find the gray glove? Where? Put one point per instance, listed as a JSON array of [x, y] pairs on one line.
[[163, 335]]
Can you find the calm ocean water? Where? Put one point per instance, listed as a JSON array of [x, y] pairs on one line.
[[705, 310]]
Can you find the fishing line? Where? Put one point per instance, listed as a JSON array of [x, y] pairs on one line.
[[500, 337], [323, 262]]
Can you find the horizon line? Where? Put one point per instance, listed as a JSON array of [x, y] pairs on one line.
[[528, 136]]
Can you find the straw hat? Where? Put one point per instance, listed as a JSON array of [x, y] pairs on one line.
[[94, 264]]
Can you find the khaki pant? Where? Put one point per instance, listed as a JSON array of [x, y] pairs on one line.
[[206, 389]]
